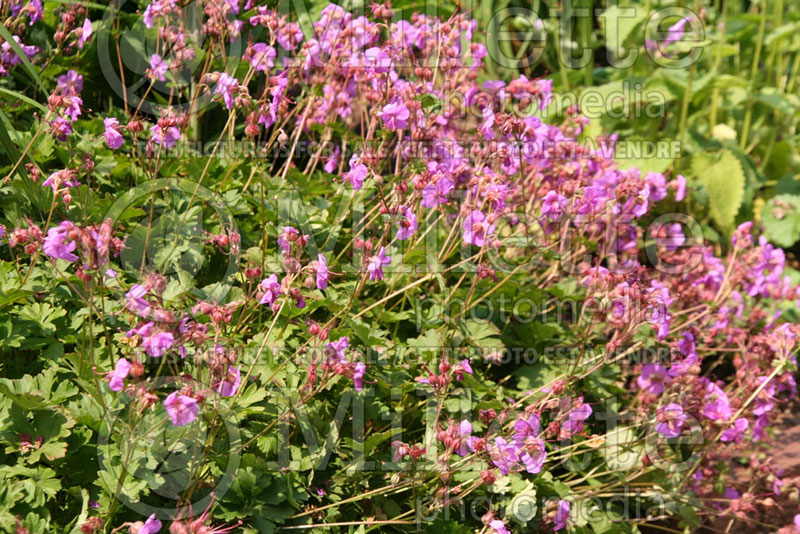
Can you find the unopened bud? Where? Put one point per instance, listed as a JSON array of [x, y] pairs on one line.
[[135, 126], [137, 369]]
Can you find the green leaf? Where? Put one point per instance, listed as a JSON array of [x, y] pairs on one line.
[[584, 511], [523, 506], [431, 104], [429, 341], [13, 296], [622, 449], [724, 180], [84, 512], [42, 314], [617, 24], [482, 334], [781, 218], [37, 393], [537, 375], [775, 36], [7, 144], [777, 100], [643, 154], [24, 98], [443, 526]]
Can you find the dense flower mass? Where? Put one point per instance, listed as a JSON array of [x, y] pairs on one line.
[[363, 321]]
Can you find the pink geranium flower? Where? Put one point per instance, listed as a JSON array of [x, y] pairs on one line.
[[272, 289], [376, 264], [70, 84], [465, 438], [288, 236], [60, 179], [114, 139], [182, 409], [532, 453], [553, 205], [151, 526], [499, 527], [357, 174], [395, 115], [34, 11], [228, 87], [670, 420], [575, 419], [263, 58], [562, 515], [136, 301], [653, 378], [736, 432], [476, 228], [717, 405], [73, 108], [61, 128], [158, 68], [58, 243], [155, 342], [407, 225], [84, 33], [526, 427], [358, 375], [461, 368], [322, 272], [435, 194], [378, 61], [166, 137], [119, 374], [334, 351], [230, 384]]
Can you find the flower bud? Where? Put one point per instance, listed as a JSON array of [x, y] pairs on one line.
[[163, 316], [252, 130], [137, 369], [217, 315], [292, 265], [135, 126], [488, 477], [283, 138], [211, 78], [55, 101], [487, 416], [314, 329], [33, 172]]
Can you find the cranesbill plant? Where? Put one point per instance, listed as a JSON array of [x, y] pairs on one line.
[[342, 279]]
